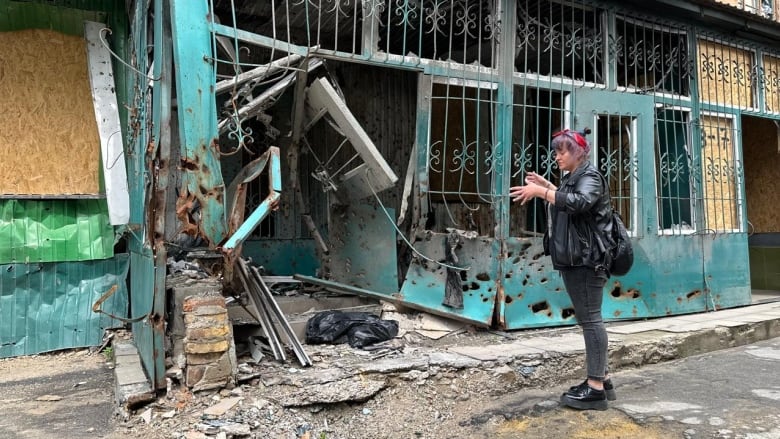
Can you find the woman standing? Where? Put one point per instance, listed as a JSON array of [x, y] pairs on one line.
[[578, 205]]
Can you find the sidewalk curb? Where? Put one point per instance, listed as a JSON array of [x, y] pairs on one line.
[[635, 351]]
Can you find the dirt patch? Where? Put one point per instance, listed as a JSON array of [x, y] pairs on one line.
[[565, 423], [58, 395]]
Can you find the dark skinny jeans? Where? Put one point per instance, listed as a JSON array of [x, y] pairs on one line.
[[586, 290]]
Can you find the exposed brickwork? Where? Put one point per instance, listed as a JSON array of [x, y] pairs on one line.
[[208, 342]]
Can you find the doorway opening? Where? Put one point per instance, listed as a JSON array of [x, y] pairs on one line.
[[761, 151]]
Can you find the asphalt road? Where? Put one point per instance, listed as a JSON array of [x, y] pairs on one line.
[[733, 393], [59, 396]]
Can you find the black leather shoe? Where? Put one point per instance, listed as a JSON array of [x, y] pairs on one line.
[[609, 388], [585, 399]]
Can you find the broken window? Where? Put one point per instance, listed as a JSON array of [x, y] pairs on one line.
[[557, 39], [462, 31], [49, 137], [673, 171], [764, 8], [614, 152], [651, 58], [461, 155], [61, 137], [536, 115], [768, 8]]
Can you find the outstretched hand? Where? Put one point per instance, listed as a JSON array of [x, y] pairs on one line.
[[534, 178], [535, 186]]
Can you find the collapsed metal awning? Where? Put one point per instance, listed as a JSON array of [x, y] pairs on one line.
[[374, 174]]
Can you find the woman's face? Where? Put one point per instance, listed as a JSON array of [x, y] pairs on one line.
[[566, 160]]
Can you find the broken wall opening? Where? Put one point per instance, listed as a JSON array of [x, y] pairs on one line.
[[761, 151], [383, 102]]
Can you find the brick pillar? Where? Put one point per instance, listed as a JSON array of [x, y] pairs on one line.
[[208, 343]]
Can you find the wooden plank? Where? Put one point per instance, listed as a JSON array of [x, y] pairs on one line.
[[49, 141]]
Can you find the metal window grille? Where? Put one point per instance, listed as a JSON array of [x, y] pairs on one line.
[[721, 173], [460, 31], [674, 179], [727, 74], [616, 157], [461, 154], [537, 114], [771, 83], [560, 40], [332, 25], [651, 57]]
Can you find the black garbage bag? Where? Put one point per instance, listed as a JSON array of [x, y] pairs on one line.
[[356, 328]]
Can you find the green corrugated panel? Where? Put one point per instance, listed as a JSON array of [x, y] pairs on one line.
[[48, 307], [54, 231], [64, 16]]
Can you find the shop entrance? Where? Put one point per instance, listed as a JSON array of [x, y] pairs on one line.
[[761, 154]]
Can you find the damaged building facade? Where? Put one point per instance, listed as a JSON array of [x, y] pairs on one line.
[[367, 147]]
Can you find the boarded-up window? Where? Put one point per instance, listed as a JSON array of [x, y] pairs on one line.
[[720, 173], [726, 75], [48, 135], [772, 83]]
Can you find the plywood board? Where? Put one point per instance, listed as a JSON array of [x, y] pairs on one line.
[[724, 75], [771, 81], [48, 135], [720, 190]]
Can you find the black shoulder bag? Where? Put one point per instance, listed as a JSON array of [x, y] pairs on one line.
[[619, 254]]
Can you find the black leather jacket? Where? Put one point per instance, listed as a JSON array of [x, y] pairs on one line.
[[580, 195]]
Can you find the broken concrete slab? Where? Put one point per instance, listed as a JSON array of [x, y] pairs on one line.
[[133, 388], [357, 389], [450, 359], [222, 407], [389, 365], [427, 325]]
